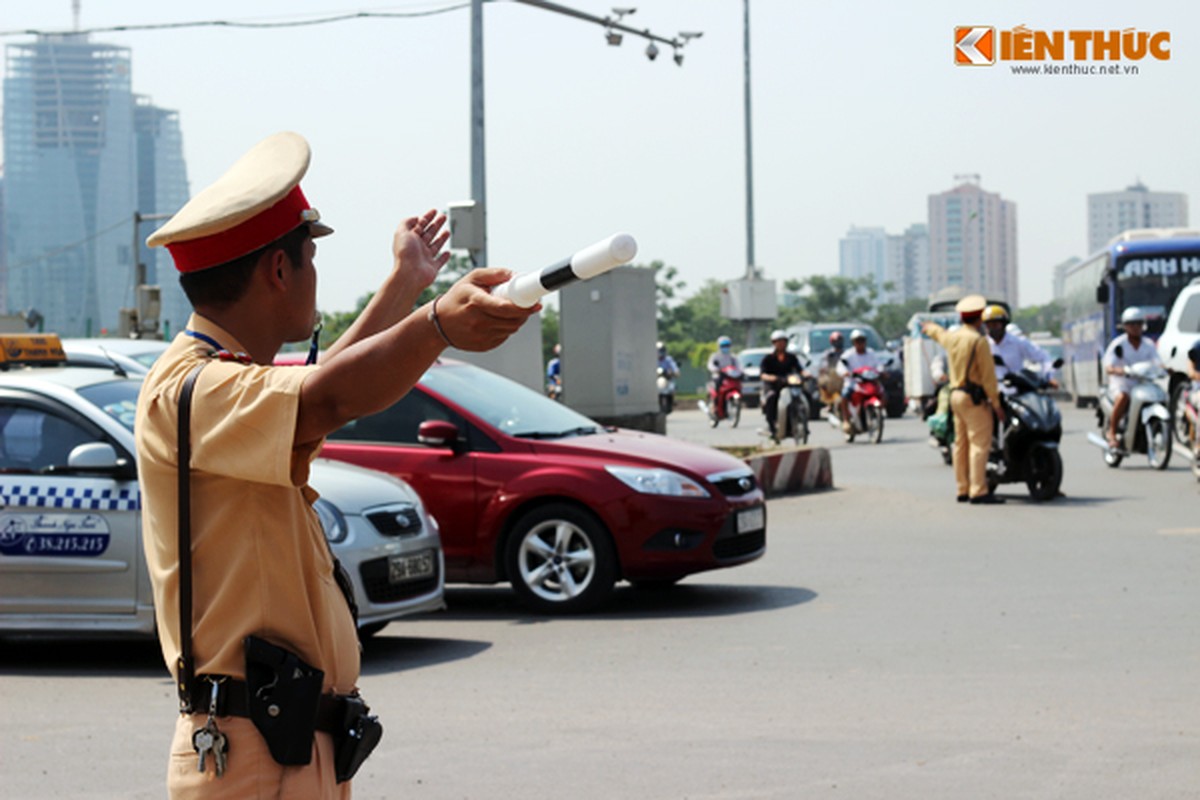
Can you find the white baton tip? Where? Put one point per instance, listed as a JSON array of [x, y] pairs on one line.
[[604, 255]]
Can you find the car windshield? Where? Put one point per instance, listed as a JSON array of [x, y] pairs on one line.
[[118, 399], [750, 358], [507, 405], [818, 338]]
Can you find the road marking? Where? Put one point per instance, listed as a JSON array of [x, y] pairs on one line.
[[1179, 531]]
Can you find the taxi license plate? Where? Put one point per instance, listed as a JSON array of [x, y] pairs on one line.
[[751, 519], [410, 568]]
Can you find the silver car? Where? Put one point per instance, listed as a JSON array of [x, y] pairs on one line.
[[70, 523]]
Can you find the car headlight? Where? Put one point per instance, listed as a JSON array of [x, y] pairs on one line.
[[657, 481], [332, 520]]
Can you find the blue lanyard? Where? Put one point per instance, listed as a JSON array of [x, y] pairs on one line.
[[219, 351]]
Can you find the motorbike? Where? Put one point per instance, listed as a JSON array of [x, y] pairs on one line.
[[791, 419], [1146, 427], [1190, 424], [1026, 445], [941, 425], [666, 391], [725, 402], [867, 405]]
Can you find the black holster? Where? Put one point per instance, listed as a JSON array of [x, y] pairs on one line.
[[359, 733], [284, 694]]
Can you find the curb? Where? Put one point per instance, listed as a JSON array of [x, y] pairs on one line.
[[799, 470]]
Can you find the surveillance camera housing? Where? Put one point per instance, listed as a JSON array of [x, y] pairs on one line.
[[652, 51]]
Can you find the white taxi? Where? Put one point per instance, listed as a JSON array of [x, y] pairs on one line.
[[70, 524]]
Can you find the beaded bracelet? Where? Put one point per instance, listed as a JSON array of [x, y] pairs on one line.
[[437, 324]]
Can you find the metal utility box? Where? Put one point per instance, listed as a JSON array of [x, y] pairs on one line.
[[608, 331], [749, 300], [519, 358], [466, 226]]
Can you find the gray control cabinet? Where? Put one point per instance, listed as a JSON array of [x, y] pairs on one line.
[[608, 330]]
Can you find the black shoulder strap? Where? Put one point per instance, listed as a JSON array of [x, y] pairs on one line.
[[186, 666]]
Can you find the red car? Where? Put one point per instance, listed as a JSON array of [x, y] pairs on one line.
[[530, 492]]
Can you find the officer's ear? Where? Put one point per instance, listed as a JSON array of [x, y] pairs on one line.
[[276, 269]]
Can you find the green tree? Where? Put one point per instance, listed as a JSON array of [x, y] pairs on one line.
[[891, 319], [824, 298], [1047, 317]]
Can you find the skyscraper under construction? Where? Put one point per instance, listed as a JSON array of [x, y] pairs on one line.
[[82, 154]]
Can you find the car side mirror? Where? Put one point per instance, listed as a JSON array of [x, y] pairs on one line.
[[998, 361], [100, 457], [439, 433], [1058, 362], [1102, 293], [1119, 351]]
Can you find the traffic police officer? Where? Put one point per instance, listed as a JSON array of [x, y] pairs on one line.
[[974, 390], [260, 564]]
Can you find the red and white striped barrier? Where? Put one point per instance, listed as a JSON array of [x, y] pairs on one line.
[[799, 470]]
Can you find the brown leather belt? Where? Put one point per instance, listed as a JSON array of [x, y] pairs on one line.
[[233, 700]]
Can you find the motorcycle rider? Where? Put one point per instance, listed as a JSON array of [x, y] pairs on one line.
[[828, 381], [857, 358], [554, 373], [719, 361], [776, 366], [1130, 348], [670, 370], [1013, 348]]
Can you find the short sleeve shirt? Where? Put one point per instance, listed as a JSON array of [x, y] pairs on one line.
[[260, 562]]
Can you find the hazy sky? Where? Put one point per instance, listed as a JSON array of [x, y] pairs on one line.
[[859, 114]]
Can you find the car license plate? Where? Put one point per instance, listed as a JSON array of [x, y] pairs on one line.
[[751, 519], [410, 568]]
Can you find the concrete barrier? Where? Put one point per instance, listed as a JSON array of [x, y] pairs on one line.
[[799, 470]]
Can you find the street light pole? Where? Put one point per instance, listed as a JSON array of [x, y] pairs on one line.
[[478, 168], [750, 271]]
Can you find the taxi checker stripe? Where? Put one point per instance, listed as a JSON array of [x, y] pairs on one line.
[[968, 46], [71, 498]]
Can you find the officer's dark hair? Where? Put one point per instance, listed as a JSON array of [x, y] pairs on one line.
[[224, 284]]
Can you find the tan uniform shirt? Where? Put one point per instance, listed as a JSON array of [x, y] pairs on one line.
[[260, 563], [959, 345]]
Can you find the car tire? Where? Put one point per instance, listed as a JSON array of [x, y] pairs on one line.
[[560, 559], [367, 631]]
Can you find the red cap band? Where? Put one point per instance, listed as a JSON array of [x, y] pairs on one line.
[[246, 237]]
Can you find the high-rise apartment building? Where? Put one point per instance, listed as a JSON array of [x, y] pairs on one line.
[[973, 241], [908, 264], [1110, 213], [898, 264], [74, 144], [162, 188]]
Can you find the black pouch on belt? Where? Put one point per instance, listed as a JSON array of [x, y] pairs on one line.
[[284, 693], [356, 738]]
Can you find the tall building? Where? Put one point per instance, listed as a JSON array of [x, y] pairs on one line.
[[862, 253], [898, 264], [1110, 213], [73, 137], [908, 264], [973, 241], [162, 189]]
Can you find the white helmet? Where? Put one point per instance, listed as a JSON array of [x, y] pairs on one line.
[[857, 333], [1132, 314], [778, 334]]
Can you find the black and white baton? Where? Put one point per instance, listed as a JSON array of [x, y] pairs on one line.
[[529, 287]]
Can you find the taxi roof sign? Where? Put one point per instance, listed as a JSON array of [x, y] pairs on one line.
[[23, 348]]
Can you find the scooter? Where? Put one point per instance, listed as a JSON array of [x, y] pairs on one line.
[[867, 405], [941, 425], [791, 420], [666, 391], [1190, 425], [725, 402], [1147, 424], [1026, 447]]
